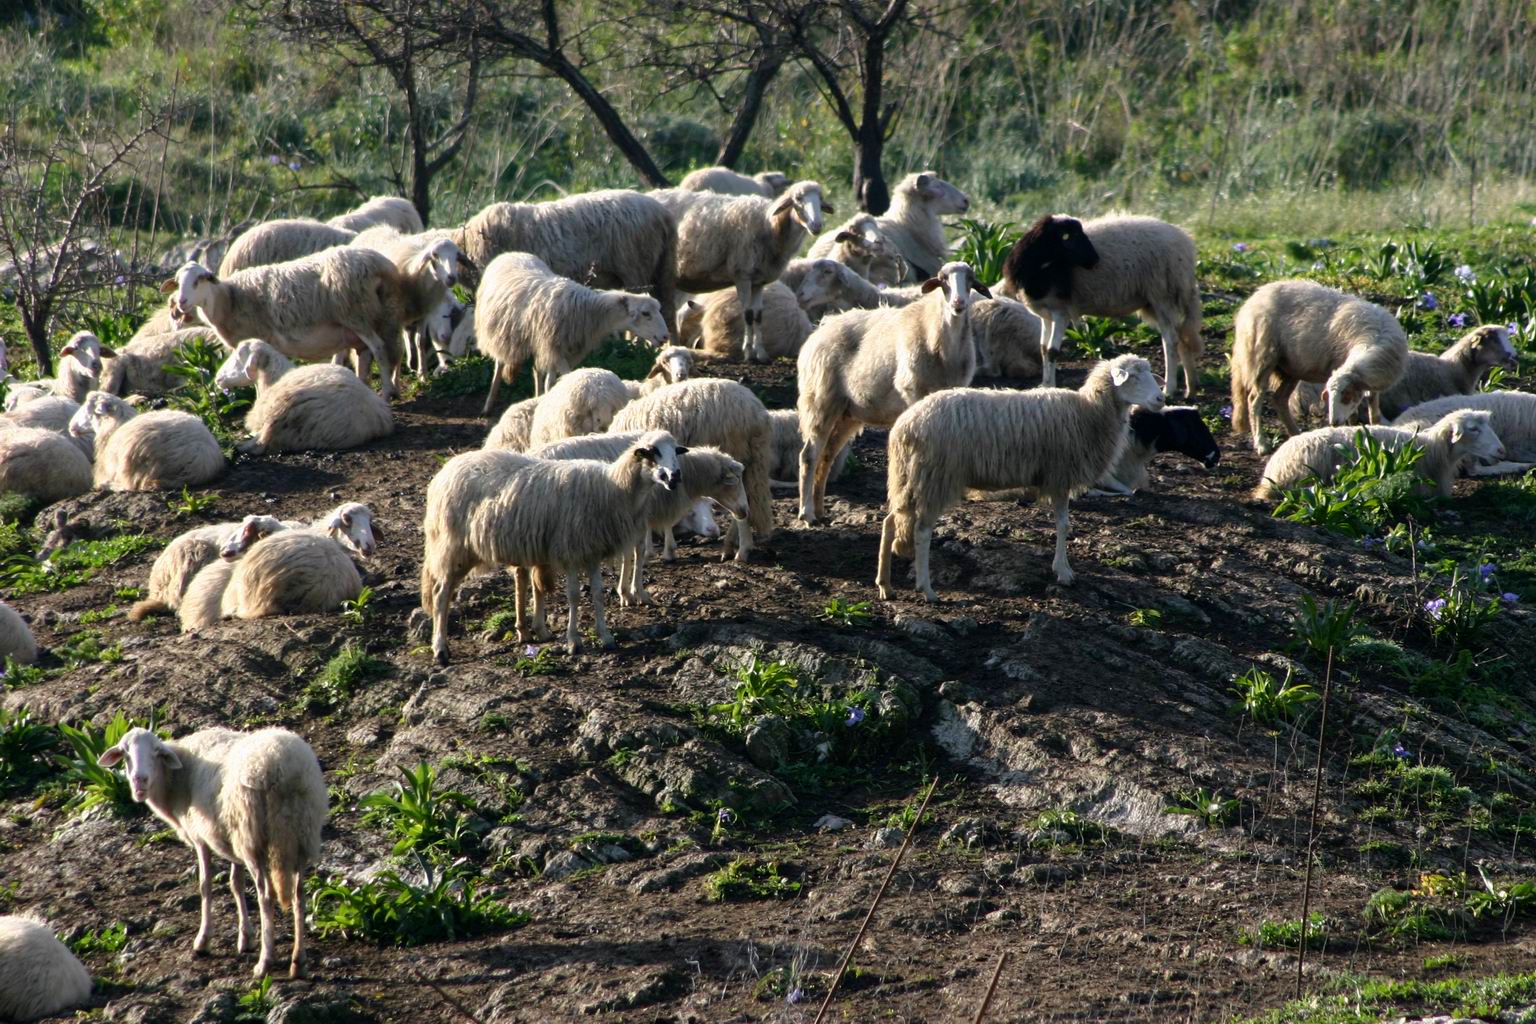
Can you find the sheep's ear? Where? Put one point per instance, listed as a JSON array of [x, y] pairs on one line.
[[167, 287], [68, 350], [646, 454], [932, 283], [656, 371], [111, 757], [925, 181], [108, 353], [206, 277], [983, 289], [827, 207], [1119, 375], [847, 236], [681, 450], [785, 202], [691, 304]]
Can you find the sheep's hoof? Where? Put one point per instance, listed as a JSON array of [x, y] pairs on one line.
[[886, 594], [250, 446], [608, 642], [261, 969], [1065, 577], [296, 969], [441, 657], [930, 597], [573, 647]]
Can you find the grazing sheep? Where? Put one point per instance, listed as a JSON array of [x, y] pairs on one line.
[[16, 637], [784, 470], [1293, 331], [514, 431], [1052, 439], [672, 364], [39, 976], [868, 366], [1007, 338], [912, 224], [1064, 268], [862, 247], [331, 303], [153, 452], [429, 265], [584, 401], [720, 414], [139, 368], [743, 242], [612, 239], [1514, 420], [281, 241], [450, 329], [1460, 437], [255, 799], [1174, 428], [291, 573], [768, 184], [490, 508], [523, 310], [394, 212], [43, 465], [714, 324], [304, 408], [705, 474]]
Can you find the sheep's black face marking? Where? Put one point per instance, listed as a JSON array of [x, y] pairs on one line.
[[1177, 430], [1041, 262]]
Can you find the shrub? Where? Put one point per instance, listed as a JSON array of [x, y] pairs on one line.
[[99, 787], [389, 910], [1374, 488], [422, 818], [24, 749], [1267, 701]]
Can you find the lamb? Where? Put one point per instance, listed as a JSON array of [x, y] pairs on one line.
[[310, 308], [305, 408], [490, 508], [862, 247], [155, 451], [1052, 439], [672, 364], [584, 401], [394, 212], [281, 241], [523, 310], [721, 414], [43, 465], [1459, 438], [39, 976], [714, 324], [16, 641], [256, 799], [912, 223], [1064, 268], [706, 473], [1007, 338], [139, 368], [867, 366], [1174, 428], [610, 239], [743, 242], [1513, 416], [723, 180], [514, 430], [428, 265], [1293, 331], [77, 372], [784, 470], [450, 329]]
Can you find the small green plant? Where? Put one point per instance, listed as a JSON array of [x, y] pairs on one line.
[[1462, 611], [339, 679], [195, 365], [536, 661], [70, 566], [16, 675], [98, 787], [356, 611], [109, 940], [1496, 379], [1268, 701], [1372, 488], [1326, 627], [1094, 336], [1151, 618], [1213, 809], [1062, 826], [255, 1003], [745, 879], [189, 504], [1505, 900], [25, 746], [1286, 933], [843, 612], [388, 910], [985, 245], [84, 648], [424, 819], [1406, 915]]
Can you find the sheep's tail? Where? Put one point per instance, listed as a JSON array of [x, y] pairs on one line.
[[1266, 491], [142, 610]]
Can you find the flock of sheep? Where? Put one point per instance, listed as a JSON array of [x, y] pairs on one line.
[[888, 332]]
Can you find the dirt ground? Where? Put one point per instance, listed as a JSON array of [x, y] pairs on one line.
[[1030, 696]]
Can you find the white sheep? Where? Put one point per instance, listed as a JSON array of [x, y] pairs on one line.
[[255, 799], [721, 414], [303, 408], [291, 573], [1056, 441], [826, 286], [723, 180], [429, 265], [610, 239], [912, 223], [280, 241], [1293, 331], [524, 310], [672, 364], [16, 637], [395, 212], [140, 365], [705, 474], [491, 508], [1007, 338], [714, 324], [155, 451], [787, 442], [77, 372], [865, 367], [1064, 268], [333, 302], [450, 330], [514, 430], [1513, 416], [860, 245], [583, 401], [742, 242], [46, 413], [43, 465], [39, 976], [1459, 438]]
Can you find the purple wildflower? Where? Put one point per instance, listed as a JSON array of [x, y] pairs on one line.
[[1457, 320], [1464, 274], [1435, 608], [1428, 302], [274, 159], [1226, 412], [294, 165], [530, 651], [1398, 750], [1239, 246], [1510, 598], [1487, 569], [120, 279], [725, 816], [855, 716], [796, 995]]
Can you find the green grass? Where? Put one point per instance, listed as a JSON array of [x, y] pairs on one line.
[[339, 679], [71, 566], [1286, 934], [25, 749], [1352, 999], [106, 940], [389, 910], [745, 879]]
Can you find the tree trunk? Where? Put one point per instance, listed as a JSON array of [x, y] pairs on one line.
[[745, 121], [421, 178], [869, 145], [633, 149], [37, 336]]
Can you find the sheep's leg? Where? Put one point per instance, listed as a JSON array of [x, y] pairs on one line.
[[1060, 504], [922, 540], [759, 353], [668, 544], [810, 459], [841, 435], [638, 557], [442, 601], [264, 907], [599, 619], [1282, 401], [520, 584], [1255, 411], [1171, 361], [573, 620], [389, 370], [490, 399], [242, 918], [743, 538], [204, 890], [883, 567], [1052, 333], [1374, 409], [296, 960], [540, 624]]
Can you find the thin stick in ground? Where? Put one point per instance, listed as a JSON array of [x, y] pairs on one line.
[[986, 1000], [1317, 795]]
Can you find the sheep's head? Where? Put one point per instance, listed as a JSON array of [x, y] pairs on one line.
[[957, 280], [86, 350], [674, 363], [1135, 383], [442, 327], [443, 258], [1471, 434], [932, 191], [351, 526], [774, 181], [1178, 428], [251, 529], [642, 317], [1492, 347], [805, 204], [700, 519], [149, 761], [660, 451], [190, 290], [821, 281], [729, 489], [1342, 395], [239, 369], [99, 410]]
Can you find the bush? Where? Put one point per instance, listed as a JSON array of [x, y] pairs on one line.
[[1374, 488], [389, 910]]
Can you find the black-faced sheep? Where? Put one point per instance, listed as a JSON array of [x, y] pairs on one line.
[[1172, 429]]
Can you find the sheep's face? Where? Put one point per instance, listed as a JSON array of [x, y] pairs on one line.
[[1473, 436], [351, 526], [190, 290], [239, 370], [939, 195], [805, 204], [443, 258], [98, 409], [86, 350], [660, 451], [441, 322], [957, 280], [1066, 234], [1135, 383], [1493, 348], [1341, 399], [243, 537], [731, 492], [674, 363], [701, 519], [644, 320], [820, 282], [146, 761], [1181, 429]]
